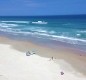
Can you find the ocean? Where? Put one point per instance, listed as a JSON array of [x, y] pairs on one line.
[[68, 29]]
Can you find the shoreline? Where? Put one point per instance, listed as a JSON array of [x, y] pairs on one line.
[[76, 59]]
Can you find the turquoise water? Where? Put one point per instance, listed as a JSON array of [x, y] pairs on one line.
[[67, 29]]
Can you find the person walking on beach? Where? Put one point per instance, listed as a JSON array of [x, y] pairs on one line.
[[51, 58]]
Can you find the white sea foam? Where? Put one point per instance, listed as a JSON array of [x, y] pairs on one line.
[[9, 30], [84, 31], [70, 40], [78, 35], [40, 30], [7, 25], [15, 21], [15, 31], [37, 29], [40, 22], [44, 34], [52, 32]]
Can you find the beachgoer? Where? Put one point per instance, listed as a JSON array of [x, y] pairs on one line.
[[28, 53], [52, 58], [62, 73]]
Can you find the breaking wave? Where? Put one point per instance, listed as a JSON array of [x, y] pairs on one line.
[[40, 22], [14, 21], [46, 35], [58, 34], [7, 25]]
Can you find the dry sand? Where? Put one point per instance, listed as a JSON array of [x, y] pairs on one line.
[[15, 65]]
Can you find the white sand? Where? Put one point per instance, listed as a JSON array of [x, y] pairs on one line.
[[15, 65]]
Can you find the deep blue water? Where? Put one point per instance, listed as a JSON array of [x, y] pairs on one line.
[[67, 29]]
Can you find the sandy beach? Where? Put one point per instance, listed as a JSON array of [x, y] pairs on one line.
[[67, 64]]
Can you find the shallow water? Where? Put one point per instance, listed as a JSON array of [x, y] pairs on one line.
[[47, 29]]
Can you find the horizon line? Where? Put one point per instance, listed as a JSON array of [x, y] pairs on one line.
[[41, 15]]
